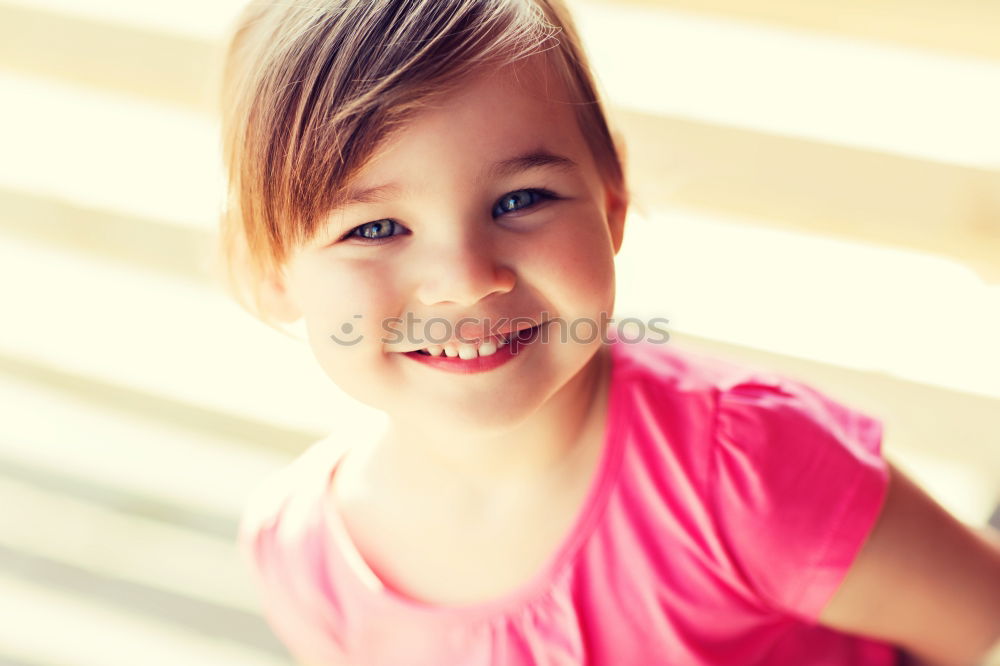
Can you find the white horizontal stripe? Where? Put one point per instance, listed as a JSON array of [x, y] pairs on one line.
[[39, 624], [811, 85], [124, 547]]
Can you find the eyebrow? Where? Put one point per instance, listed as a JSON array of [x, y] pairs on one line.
[[536, 159]]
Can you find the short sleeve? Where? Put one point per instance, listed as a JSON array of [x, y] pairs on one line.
[[798, 483]]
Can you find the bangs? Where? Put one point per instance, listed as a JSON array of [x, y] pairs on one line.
[[312, 89]]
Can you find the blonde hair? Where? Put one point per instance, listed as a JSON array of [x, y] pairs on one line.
[[311, 88]]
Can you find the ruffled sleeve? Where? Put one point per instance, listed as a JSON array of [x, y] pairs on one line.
[[797, 485]]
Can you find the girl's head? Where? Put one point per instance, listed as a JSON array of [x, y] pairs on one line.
[[424, 162]]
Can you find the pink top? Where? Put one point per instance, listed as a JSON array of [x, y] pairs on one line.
[[727, 507]]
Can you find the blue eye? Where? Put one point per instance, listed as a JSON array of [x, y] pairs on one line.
[[374, 231], [382, 231], [519, 199]]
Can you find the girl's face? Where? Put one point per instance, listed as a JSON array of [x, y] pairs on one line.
[[488, 206]]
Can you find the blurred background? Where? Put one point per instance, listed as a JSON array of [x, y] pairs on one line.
[[817, 191]]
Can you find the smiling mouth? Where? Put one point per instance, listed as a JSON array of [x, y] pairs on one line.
[[522, 336]]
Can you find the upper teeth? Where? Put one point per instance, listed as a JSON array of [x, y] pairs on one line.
[[468, 351]]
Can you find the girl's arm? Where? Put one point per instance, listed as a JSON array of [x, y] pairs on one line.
[[925, 581]]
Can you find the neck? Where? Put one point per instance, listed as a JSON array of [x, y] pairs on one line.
[[535, 451]]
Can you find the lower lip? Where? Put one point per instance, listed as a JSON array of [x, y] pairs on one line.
[[479, 364]]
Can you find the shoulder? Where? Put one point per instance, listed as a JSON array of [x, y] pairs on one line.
[[664, 385], [668, 399], [281, 501], [677, 394], [740, 405], [780, 416], [679, 367]]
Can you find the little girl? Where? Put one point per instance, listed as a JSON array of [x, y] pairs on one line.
[[433, 189]]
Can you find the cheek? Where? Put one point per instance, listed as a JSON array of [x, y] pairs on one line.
[[578, 261], [344, 326], [342, 291], [344, 305]]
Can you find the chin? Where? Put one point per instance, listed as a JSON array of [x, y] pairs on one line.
[[471, 421]]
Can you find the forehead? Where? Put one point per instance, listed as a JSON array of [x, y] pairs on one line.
[[521, 109]]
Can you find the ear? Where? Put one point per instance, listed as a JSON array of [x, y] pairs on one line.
[[616, 206], [277, 300], [617, 201]]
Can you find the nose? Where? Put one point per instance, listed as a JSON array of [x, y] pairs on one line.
[[463, 272]]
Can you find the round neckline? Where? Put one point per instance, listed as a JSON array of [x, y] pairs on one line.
[[336, 540]]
